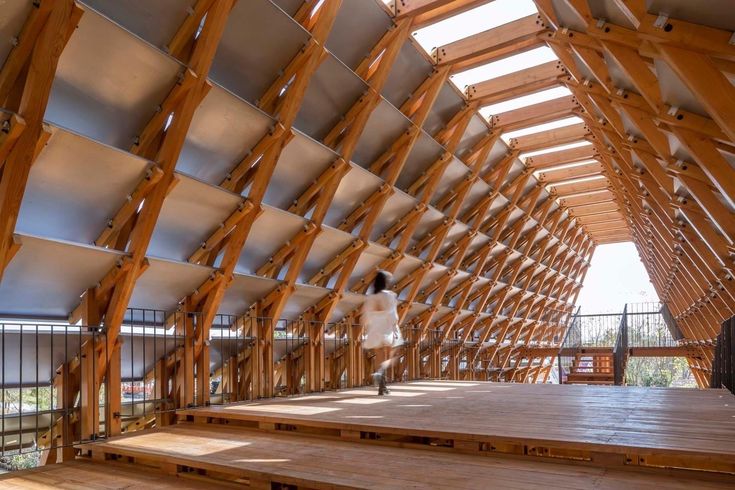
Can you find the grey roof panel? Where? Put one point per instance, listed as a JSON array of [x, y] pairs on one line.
[[156, 22], [109, 83], [46, 277], [358, 27], [249, 60], [224, 129], [75, 186]]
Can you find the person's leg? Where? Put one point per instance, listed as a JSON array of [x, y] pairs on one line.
[[379, 359], [382, 361], [385, 359], [392, 356]]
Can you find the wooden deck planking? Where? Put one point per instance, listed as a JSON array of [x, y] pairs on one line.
[[319, 463], [92, 475], [619, 418]]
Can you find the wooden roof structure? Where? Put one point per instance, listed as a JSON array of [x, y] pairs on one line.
[[264, 158]]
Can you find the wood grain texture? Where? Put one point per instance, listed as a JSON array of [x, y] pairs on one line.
[[317, 463]]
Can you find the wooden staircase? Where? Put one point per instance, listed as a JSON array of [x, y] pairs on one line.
[[592, 366]]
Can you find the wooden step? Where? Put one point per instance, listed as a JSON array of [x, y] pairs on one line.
[[99, 475], [591, 371], [596, 351], [595, 359], [590, 382], [592, 361], [584, 377], [592, 375], [267, 459]]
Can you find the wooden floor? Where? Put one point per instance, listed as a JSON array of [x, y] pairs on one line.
[[93, 475], [647, 426], [432, 434], [309, 462]]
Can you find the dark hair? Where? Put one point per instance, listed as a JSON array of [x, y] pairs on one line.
[[381, 281]]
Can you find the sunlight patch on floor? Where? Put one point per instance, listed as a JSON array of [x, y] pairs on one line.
[[360, 392], [423, 388], [362, 401], [309, 398], [443, 383], [405, 394], [290, 409], [195, 445]]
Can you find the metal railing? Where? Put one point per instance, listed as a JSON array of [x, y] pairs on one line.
[[570, 344], [47, 372], [229, 348], [165, 360], [600, 330], [647, 326], [620, 351], [640, 325], [723, 363], [158, 361]]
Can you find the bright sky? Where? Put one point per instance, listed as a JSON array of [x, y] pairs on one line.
[[476, 20], [616, 277], [511, 64], [559, 123], [526, 100], [481, 19]]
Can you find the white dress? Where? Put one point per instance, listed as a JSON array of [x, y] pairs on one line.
[[380, 320]]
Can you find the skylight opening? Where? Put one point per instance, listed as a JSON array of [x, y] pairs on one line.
[[569, 146], [566, 166], [168, 122], [473, 21], [316, 8], [560, 123], [578, 181], [524, 101], [200, 28], [506, 66]]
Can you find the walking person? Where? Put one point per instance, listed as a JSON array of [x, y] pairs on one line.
[[380, 322]]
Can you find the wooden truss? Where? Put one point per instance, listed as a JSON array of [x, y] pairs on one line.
[[492, 284], [677, 212]]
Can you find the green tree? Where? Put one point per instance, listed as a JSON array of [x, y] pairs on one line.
[[659, 371]]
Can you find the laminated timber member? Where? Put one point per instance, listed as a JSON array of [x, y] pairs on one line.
[[382, 335]]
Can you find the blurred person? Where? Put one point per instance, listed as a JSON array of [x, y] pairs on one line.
[[380, 321]]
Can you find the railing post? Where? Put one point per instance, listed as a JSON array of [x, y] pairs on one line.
[[558, 362]]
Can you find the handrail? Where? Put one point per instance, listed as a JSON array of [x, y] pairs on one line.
[[723, 367], [620, 351], [570, 326], [568, 329]]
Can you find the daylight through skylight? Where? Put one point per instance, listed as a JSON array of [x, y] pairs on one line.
[[511, 64], [565, 166], [524, 101], [471, 22], [554, 148], [560, 123]]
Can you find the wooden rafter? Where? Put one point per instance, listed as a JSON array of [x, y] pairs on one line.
[[25, 85]]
